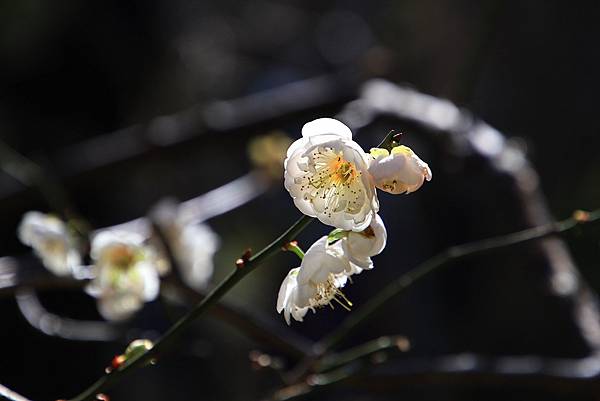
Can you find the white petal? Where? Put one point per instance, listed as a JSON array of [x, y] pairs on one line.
[[50, 240], [119, 307], [400, 172], [94, 289], [299, 313], [150, 279], [108, 238], [320, 260], [360, 246], [295, 147], [323, 126], [312, 261], [288, 286], [286, 315]]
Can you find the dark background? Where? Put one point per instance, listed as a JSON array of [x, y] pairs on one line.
[[74, 72]]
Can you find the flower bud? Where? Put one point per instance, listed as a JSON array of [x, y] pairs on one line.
[[398, 172]]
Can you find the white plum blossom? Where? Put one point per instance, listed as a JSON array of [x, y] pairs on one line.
[[126, 273], [359, 247], [326, 173], [399, 171], [316, 283], [193, 245], [51, 241]]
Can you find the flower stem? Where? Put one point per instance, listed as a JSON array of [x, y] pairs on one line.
[[293, 247], [362, 314], [109, 380], [390, 141]]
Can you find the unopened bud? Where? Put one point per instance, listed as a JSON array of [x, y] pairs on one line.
[[581, 216], [138, 347]]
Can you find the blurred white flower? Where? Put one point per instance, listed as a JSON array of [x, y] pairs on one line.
[[402, 171], [126, 273], [50, 239], [359, 247], [194, 250], [193, 244], [316, 283], [326, 173]]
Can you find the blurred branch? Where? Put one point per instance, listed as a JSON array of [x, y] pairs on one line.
[[198, 121], [7, 393], [333, 361], [250, 323], [225, 198], [315, 383], [452, 254], [463, 134], [53, 325], [467, 370], [208, 205], [25, 272], [22, 279], [32, 175], [244, 267]]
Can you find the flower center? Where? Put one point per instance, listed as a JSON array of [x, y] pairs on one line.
[[121, 256], [342, 171], [332, 183], [331, 169], [54, 246], [326, 292]]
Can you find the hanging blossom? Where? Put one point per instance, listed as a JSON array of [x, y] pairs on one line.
[[126, 273], [399, 171], [193, 245], [325, 269], [51, 241], [316, 283], [326, 173], [359, 247]]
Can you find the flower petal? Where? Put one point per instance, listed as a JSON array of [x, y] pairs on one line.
[[324, 126]]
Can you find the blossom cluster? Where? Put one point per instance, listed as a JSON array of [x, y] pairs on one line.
[[126, 265], [330, 177]]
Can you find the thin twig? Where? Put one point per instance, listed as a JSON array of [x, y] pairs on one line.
[[315, 383], [460, 370], [250, 324], [249, 265], [362, 314], [334, 361]]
